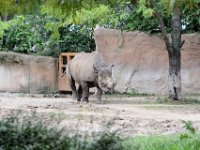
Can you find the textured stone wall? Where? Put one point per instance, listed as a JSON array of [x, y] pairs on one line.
[[141, 65], [27, 74], [141, 61]]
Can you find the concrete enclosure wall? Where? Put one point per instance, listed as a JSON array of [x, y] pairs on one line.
[[141, 65], [141, 61], [27, 74]]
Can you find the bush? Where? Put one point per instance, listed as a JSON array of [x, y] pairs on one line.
[[31, 133], [107, 141]]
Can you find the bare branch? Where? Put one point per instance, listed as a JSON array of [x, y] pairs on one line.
[[162, 25], [182, 43]]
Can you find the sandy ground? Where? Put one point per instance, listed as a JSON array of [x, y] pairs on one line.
[[127, 116]]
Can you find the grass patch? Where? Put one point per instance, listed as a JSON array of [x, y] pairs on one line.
[[159, 106], [60, 115], [131, 94], [191, 100], [157, 142], [190, 140], [184, 100]]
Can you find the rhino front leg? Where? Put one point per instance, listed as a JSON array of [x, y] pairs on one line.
[[80, 91], [85, 93], [98, 95]]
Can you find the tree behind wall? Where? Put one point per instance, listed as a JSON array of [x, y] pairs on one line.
[[173, 44], [176, 17]]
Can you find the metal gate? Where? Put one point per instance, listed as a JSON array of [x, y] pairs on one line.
[[64, 59]]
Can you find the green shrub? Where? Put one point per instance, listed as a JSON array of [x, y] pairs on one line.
[[31, 133], [107, 141]]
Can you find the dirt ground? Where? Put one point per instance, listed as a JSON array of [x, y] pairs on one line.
[[125, 115]]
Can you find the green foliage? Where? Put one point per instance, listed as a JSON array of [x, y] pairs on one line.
[[20, 37], [30, 132], [142, 18], [91, 17], [189, 126], [158, 142], [184, 136], [20, 131], [44, 35], [142, 14], [67, 25], [107, 141], [76, 38], [3, 26], [13, 7], [136, 21], [191, 20], [121, 14], [101, 14]]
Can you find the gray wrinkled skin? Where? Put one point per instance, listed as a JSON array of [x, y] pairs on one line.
[[87, 70]]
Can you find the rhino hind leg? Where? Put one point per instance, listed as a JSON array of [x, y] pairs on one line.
[[73, 87], [85, 92], [74, 95]]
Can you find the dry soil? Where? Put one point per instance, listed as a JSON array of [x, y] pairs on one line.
[[125, 115]]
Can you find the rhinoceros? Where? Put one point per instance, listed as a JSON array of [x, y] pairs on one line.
[[87, 70]]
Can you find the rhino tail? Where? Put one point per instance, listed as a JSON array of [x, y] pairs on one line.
[[71, 84]]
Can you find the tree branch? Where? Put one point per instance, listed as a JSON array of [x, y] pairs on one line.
[[162, 25], [182, 43]]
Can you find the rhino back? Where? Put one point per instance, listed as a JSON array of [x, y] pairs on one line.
[[81, 67]]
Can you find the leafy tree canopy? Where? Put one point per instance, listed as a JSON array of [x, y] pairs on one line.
[[190, 12], [48, 20], [121, 14]]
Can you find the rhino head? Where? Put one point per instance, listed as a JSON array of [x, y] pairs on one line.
[[104, 78]]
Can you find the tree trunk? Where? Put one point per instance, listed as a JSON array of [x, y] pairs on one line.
[[173, 47], [174, 52], [174, 84]]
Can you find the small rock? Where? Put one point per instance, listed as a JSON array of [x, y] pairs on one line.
[[32, 107], [80, 106]]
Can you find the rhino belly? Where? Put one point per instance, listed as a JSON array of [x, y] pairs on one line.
[[83, 76], [82, 70]]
